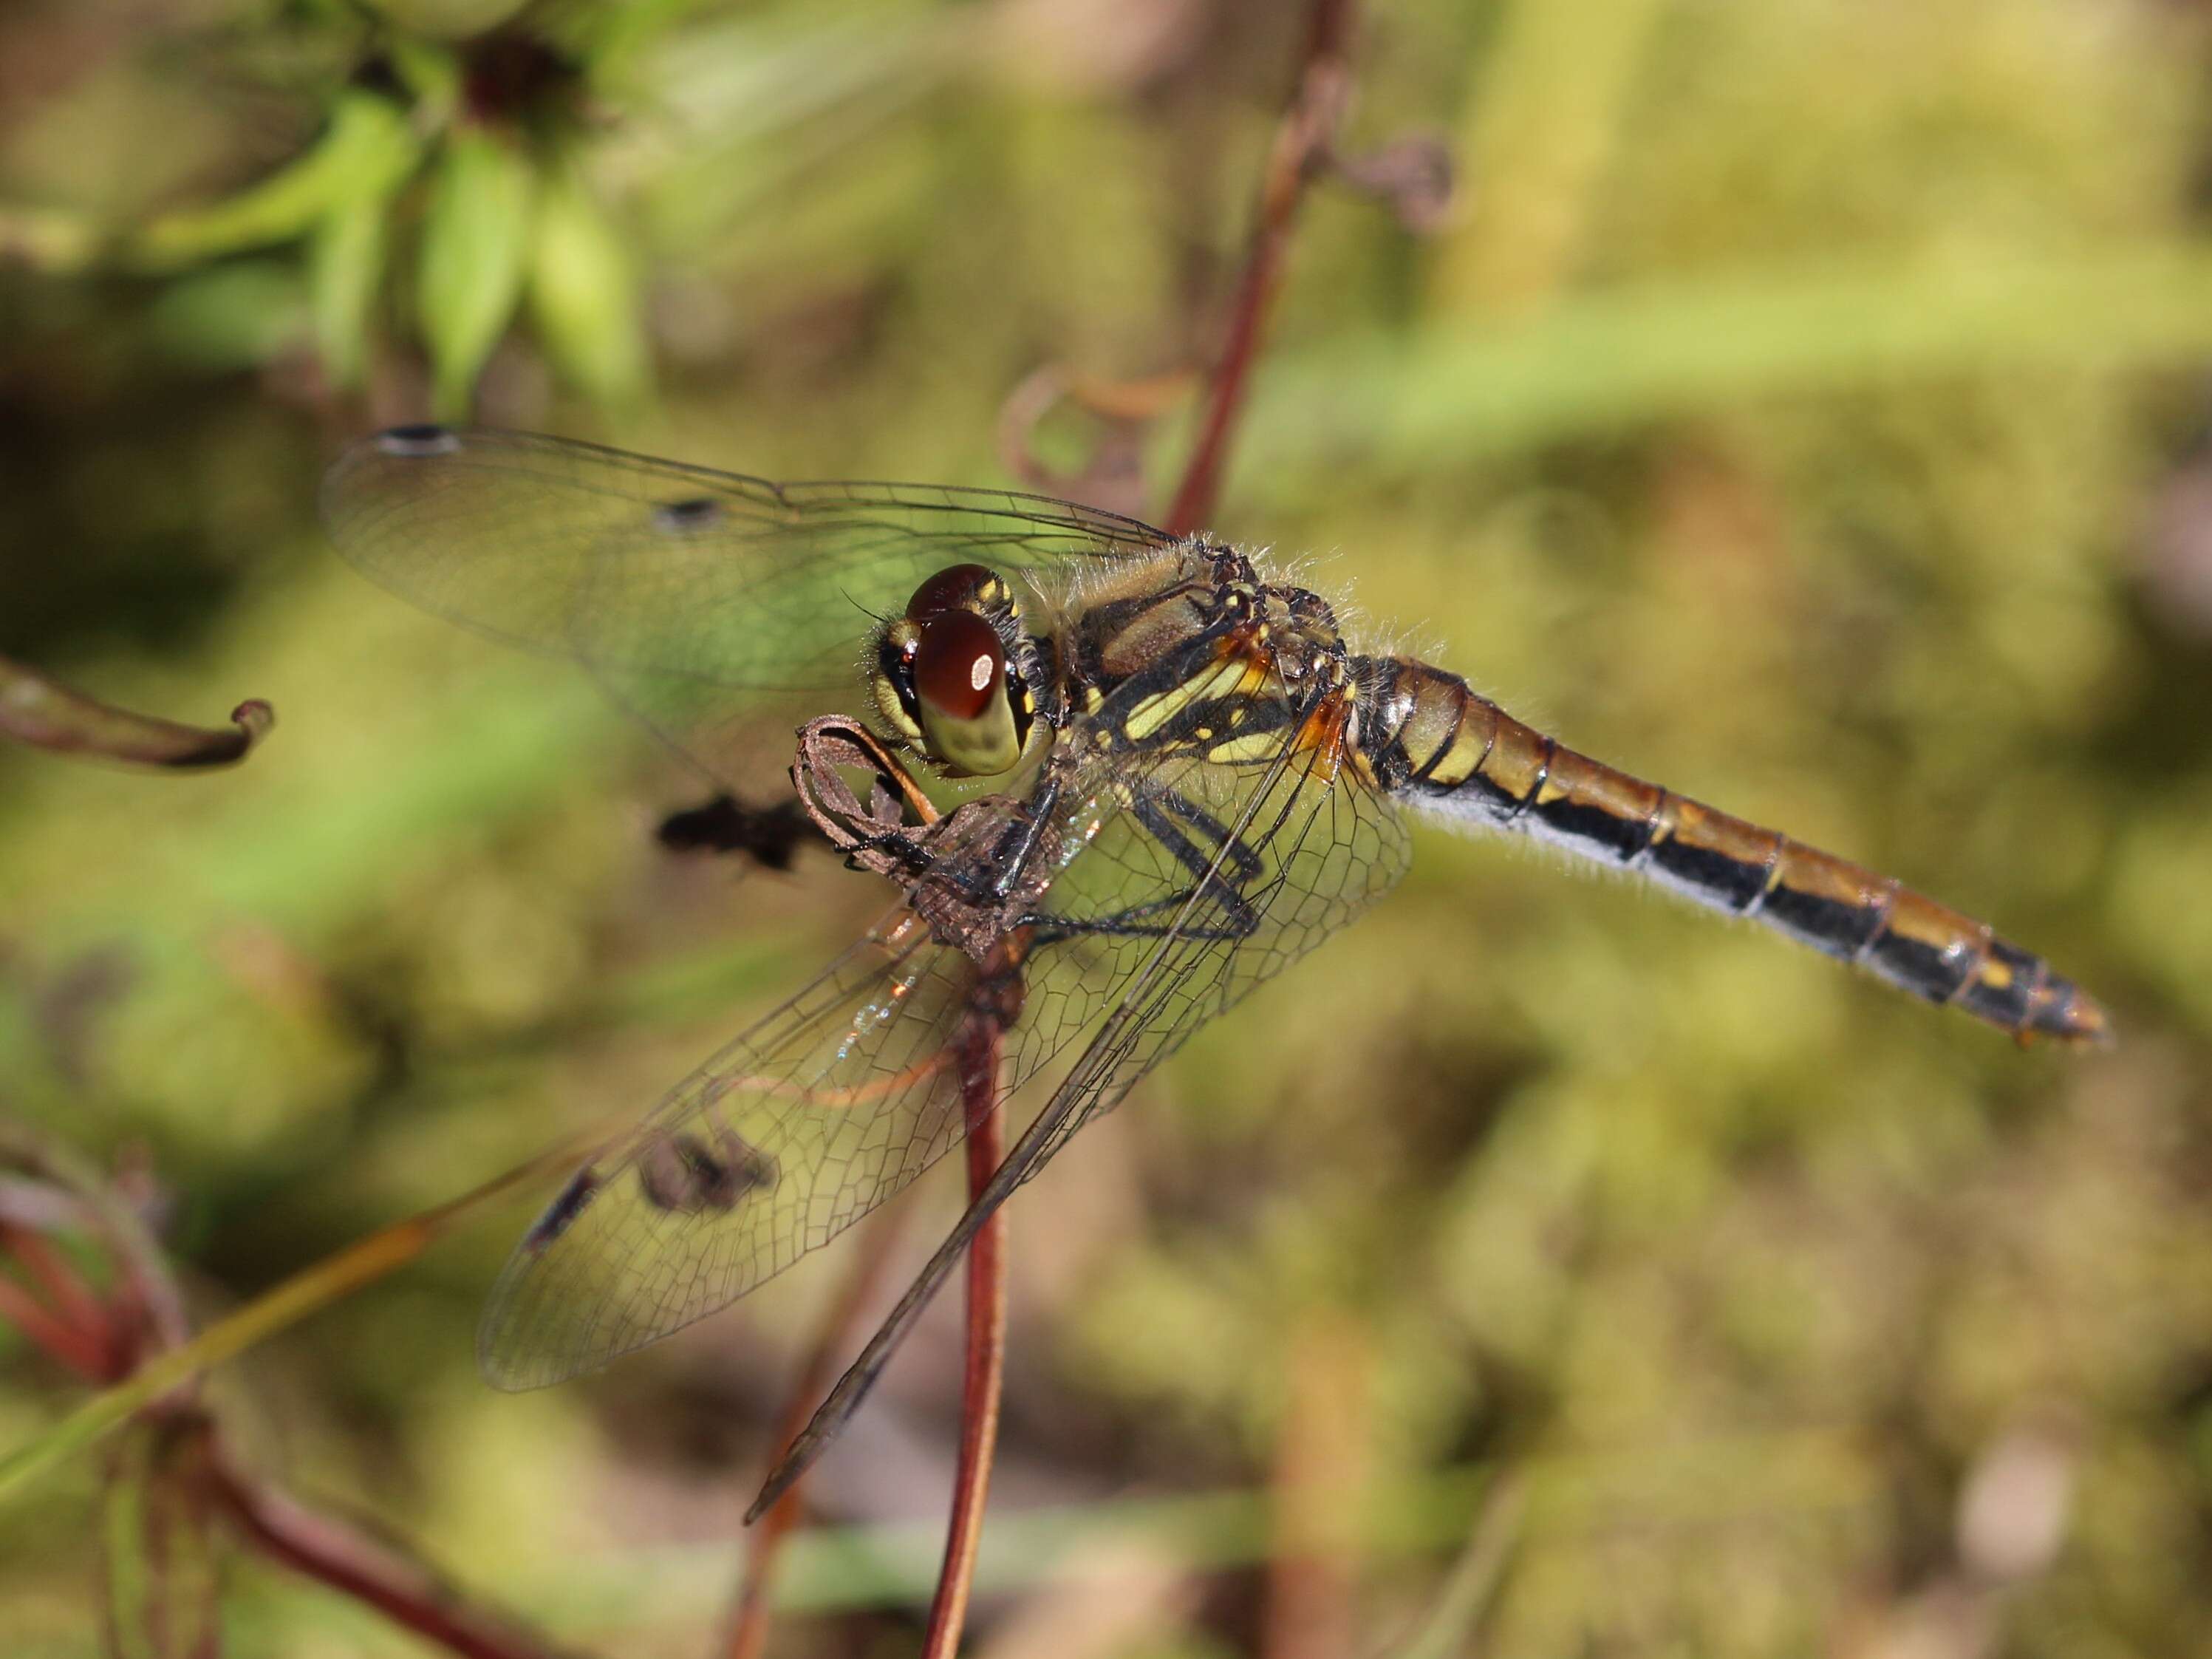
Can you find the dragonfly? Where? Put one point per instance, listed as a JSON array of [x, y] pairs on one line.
[[1176, 776]]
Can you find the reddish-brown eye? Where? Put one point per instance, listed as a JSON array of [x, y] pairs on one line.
[[955, 587], [959, 665]]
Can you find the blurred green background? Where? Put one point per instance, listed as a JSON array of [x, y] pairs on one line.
[[1802, 404]]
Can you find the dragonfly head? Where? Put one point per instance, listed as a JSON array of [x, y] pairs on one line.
[[944, 679]]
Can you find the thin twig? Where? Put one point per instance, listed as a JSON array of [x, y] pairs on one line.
[[102, 1338], [52, 1272], [1303, 141], [749, 1619], [1450, 1626], [47, 714], [1119, 410], [331, 1279], [370, 1569], [1320, 1480], [984, 1374], [85, 1351]]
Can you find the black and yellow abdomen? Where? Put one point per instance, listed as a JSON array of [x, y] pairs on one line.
[[1437, 746]]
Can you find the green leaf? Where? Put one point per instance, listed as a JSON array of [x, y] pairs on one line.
[[346, 254], [368, 137], [448, 20], [476, 239], [583, 292], [236, 315], [1610, 360], [344, 262], [429, 72]]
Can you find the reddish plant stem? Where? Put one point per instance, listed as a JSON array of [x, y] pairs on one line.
[[1312, 1572], [47, 714], [1303, 143], [64, 1286], [748, 1621], [985, 1373], [106, 1339], [369, 1570], [85, 1352]]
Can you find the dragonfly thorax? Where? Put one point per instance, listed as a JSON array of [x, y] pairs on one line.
[[955, 678]]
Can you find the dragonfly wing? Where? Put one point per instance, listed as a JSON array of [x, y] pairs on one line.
[[1185, 882], [1288, 847], [797, 1128], [688, 593], [1199, 881], [793, 1131]]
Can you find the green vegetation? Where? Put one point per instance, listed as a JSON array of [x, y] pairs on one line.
[[1803, 406]]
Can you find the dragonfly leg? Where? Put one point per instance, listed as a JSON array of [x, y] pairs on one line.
[[1133, 923], [876, 833], [1239, 859], [1211, 870]]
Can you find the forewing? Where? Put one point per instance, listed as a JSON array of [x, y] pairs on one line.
[[1186, 883], [687, 593], [793, 1131], [1310, 846], [1198, 881], [1150, 950]]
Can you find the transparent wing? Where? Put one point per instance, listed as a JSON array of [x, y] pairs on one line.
[[1303, 845], [1187, 883], [688, 593], [1309, 846], [788, 1135]]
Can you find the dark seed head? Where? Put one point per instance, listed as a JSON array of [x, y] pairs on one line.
[[415, 442]]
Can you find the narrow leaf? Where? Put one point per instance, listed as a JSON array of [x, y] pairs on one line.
[[345, 262], [1609, 360], [583, 292], [366, 133], [476, 239], [347, 251]]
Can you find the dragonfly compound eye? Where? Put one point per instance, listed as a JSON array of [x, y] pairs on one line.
[[970, 588], [961, 695]]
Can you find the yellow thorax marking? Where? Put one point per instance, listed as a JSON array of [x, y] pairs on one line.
[[1239, 675]]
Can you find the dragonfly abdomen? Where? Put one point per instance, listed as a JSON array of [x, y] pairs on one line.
[[1460, 756]]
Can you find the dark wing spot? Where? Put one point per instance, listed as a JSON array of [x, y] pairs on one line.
[[681, 518], [416, 443], [563, 1210], [684, 1176]]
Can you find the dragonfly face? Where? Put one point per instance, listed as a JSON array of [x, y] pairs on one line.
[[955, 678], [1199, 781]]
